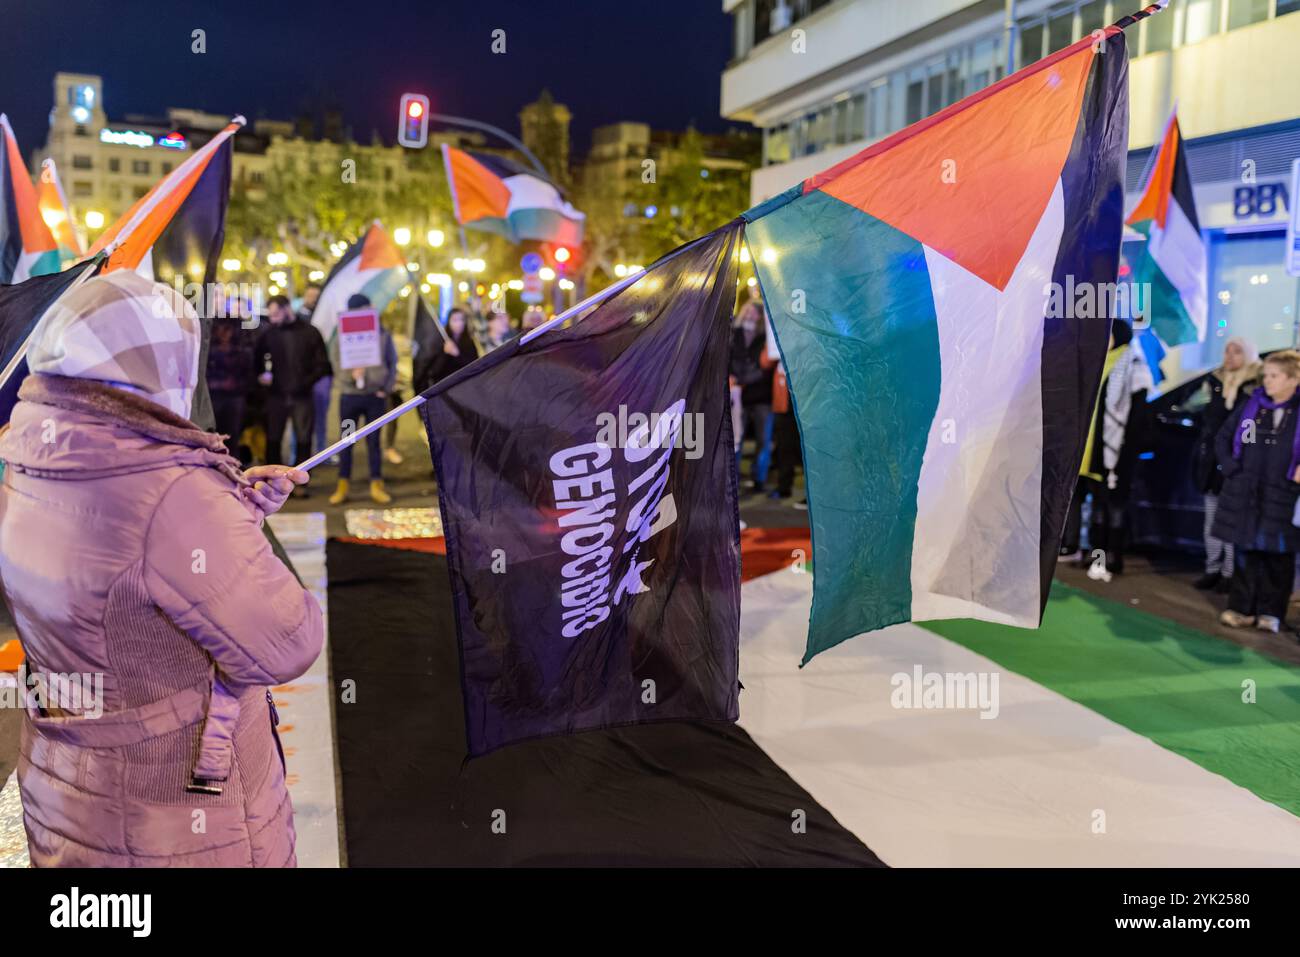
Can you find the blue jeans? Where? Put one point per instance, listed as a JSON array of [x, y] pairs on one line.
[[356, 408]]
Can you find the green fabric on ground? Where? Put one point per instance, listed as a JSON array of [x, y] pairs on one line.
[[1178, 687]]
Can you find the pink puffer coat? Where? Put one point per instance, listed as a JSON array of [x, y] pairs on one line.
[[126, 551]]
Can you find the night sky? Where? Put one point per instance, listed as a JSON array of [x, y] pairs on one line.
[[658, 61]]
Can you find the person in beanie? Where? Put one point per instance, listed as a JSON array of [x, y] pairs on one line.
[[1233, 381], [363, 395], [1258, 451], [131, 547]]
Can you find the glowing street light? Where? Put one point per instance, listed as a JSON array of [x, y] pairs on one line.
[[402, 236], [94, 219], [477, 265], [547, 273], [435, 238], [620, 270], [231, 265]]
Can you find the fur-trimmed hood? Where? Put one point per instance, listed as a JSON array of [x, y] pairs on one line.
[[80, 429]]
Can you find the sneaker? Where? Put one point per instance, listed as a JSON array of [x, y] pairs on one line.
[[1235, 619], [1207, 582], [1268, 623], [1099, 573], [801, 505], [392, 456], [1074, 556]]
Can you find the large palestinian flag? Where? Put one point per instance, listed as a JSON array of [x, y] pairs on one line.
[[373, 267], [27, 248], [943, 401], [1172, 267], [497, 195]]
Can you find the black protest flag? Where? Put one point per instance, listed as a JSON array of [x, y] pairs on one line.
[[588, 492]]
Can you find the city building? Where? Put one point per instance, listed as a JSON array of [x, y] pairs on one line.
[[107, 164], [825, 78], [544, 129]]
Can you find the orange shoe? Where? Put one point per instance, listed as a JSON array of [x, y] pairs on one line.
[[11, 655]]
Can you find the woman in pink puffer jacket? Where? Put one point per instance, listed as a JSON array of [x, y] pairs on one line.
[[130, 547]]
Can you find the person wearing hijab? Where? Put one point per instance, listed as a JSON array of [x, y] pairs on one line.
[[1258, 451], [1235, 379], [132, 558], [1110, 454]]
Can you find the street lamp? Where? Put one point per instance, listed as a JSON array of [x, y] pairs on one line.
[[402, 236], [94, 219], [436, 238]]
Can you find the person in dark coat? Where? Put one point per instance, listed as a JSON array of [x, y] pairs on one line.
[[1258, 452], [1233, 381], [748, 340], [292, 355], [458, 350], [230, 376]]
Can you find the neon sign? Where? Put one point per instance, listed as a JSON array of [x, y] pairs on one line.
[[172, 141]]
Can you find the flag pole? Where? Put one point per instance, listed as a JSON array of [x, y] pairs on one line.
[[419, 400], [1147, 11]]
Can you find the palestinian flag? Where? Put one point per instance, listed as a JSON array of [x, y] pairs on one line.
[[942, 384], [495, 194], [21, 307], [1173, 265], [54, 210], [174, 234], [427, 337], [373, 267], [27, 248]]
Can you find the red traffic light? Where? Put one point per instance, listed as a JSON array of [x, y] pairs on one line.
[[413, 120]]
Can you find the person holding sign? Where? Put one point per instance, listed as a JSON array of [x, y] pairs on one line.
[[366, 363]]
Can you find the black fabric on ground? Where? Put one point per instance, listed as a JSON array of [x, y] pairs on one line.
[[684, 794]]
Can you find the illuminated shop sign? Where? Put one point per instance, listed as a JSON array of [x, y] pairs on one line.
[[172, 141]]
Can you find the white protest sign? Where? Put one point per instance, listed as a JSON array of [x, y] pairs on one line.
[[359, 339]]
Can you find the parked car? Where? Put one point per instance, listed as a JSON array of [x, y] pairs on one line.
[[1166, 509]]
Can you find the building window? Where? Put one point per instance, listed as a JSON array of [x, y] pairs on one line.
[[1287, 6], [81, 162], [1031, 43], [81, 129], [81, 189], [255, 177], [1242, 13], [166, 168], [141, 167], [140, 191], [114, 165], [1159, 32], [1200, 20]]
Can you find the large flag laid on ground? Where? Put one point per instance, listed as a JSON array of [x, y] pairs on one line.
[[942, 390], [588, 492], [1173, 266], [373, 267], [55, 212], [495, 194], [27, 247]]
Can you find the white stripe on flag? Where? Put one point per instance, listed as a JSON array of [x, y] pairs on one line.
[[979, 492], [949, 788], [1180, 253]]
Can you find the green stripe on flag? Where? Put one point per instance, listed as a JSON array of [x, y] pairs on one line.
[[1182, 689], [851, 302]]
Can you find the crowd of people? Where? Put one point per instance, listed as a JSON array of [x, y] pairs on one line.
[[1246, 464], [273, 375]]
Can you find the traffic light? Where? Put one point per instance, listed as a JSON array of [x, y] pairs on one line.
[[413, 120]]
